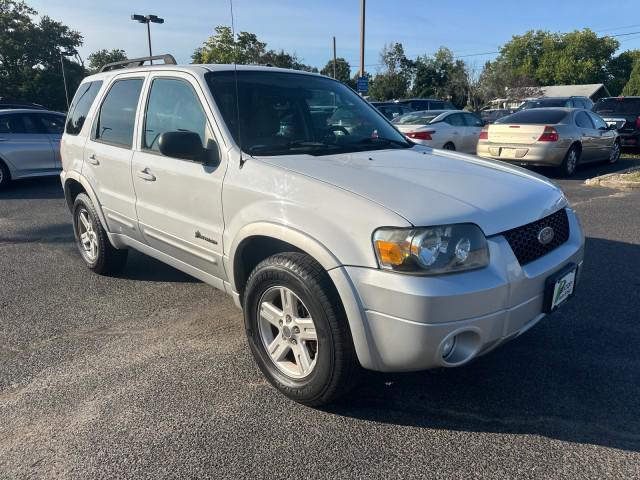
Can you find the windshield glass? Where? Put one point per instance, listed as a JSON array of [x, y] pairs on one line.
[[416, 118], [543, 104], [283, 113], [534, 117], [624, 106]]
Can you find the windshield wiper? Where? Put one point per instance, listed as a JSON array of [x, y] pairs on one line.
[[291, 146], [383, 141]]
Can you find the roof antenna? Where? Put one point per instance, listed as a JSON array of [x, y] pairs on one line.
[[235, 75]]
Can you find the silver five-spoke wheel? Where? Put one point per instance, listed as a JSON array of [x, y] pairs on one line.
[[288, 332], [87, 235]]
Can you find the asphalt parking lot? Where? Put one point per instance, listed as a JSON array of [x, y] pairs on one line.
[[147, 374]]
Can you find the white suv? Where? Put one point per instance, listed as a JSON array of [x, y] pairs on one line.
[[346, 245]]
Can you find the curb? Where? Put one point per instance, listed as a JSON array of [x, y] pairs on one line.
[[615, 180]]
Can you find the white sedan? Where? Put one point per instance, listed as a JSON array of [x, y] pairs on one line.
[[447, 129]]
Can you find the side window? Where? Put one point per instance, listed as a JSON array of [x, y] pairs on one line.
[[583, 121], [173, 106], [118, 113], [80, 106], [436, 106], [18, 123], [52, 123], [456, 120], [598, 121], [472, 121]]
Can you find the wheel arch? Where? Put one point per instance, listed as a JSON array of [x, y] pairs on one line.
[[73, 185]]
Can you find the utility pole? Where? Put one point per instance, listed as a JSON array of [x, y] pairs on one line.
[[362, 10], [148, 19], [334, 57]]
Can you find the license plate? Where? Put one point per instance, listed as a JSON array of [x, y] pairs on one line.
[[508, 153], [559, 288]]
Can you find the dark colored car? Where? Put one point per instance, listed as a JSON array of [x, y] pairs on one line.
[[7, 103], [491, 115], [427, 104], [563, 102], [624, 113], [391, 110]]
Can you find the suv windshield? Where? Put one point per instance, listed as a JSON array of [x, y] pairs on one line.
[[282, 113], [542, 103], [623, 106]]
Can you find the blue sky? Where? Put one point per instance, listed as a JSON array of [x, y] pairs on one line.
[[306, 27]]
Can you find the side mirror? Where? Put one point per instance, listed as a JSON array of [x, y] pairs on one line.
[[188, 146]]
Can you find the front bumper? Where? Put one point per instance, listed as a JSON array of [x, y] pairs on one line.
[[538, 154], [409, 318]]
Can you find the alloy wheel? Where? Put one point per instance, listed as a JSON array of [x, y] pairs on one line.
[[288, 332], [615, 153], [87, 235], [572, 161]]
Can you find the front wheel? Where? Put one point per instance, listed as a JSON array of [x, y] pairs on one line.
[[614, 155], [297, 329], [449, 146]]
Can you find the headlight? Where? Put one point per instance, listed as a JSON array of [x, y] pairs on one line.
[[432, 250]]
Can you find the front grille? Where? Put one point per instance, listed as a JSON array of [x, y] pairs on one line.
[[524, 240]]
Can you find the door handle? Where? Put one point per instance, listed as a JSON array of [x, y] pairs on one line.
[[92, 159], [146, 175]]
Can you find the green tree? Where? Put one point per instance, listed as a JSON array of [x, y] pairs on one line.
[[100, 58], [633, 85], [619, 69], [30, 56], [343, 70], [394, 79], [441, 76]]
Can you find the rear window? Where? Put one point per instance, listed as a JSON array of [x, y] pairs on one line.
[[534, 116], [624, 106], [80, 106], [415, 118], [543, 103]]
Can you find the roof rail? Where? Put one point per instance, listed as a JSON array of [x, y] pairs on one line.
[[138, 62]]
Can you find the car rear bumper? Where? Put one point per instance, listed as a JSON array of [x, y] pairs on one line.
[[630, 139], [409, 318], [542, 154]]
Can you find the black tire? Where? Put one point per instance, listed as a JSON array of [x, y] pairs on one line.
[[108, 259], [569, 164], [449, 146], [5, 175], [337, 369], [616, 150]]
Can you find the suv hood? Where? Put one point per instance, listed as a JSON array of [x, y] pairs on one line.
[[434, 187]]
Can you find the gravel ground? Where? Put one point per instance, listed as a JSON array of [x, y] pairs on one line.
[[148, 375]]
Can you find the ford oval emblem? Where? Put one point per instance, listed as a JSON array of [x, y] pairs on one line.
[[546, 235]]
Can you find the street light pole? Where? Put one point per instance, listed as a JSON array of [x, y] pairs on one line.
[[334, 57], [362, 10], [148, 19]]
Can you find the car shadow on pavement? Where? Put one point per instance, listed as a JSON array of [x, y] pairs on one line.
[[591, 170], [33, 188], [143, 268], [574, 377]]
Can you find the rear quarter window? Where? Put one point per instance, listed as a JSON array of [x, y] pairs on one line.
[[535, 116], [82, 101]]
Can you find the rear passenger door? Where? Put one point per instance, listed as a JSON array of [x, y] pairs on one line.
[[589, 136], [53, 125], [456, 132], [24, 144], [108, 153], [472, 132], [179, 201], [605, 137]]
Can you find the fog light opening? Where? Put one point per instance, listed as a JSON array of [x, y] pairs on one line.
[[448, 346]]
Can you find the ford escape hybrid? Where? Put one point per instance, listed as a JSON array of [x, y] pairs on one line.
[[346, 245]]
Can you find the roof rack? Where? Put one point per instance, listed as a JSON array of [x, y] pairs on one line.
[[138, 62]]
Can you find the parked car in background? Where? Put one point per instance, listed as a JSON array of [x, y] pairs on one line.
[[560, 137], [391, 110], [6, 103], [420, 104], [567, 102], [29, 143], [446, 129], [493, 114], [624, 114]]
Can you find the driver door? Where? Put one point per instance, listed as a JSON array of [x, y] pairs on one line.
[[178, 202]]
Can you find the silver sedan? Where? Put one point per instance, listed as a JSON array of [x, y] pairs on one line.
[[29, 143], [560, 137]]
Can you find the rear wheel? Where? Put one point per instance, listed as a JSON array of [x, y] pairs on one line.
[[449, 146], [5, 175], [93, 243], [297, 329], [570, 161], [614, 155]]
